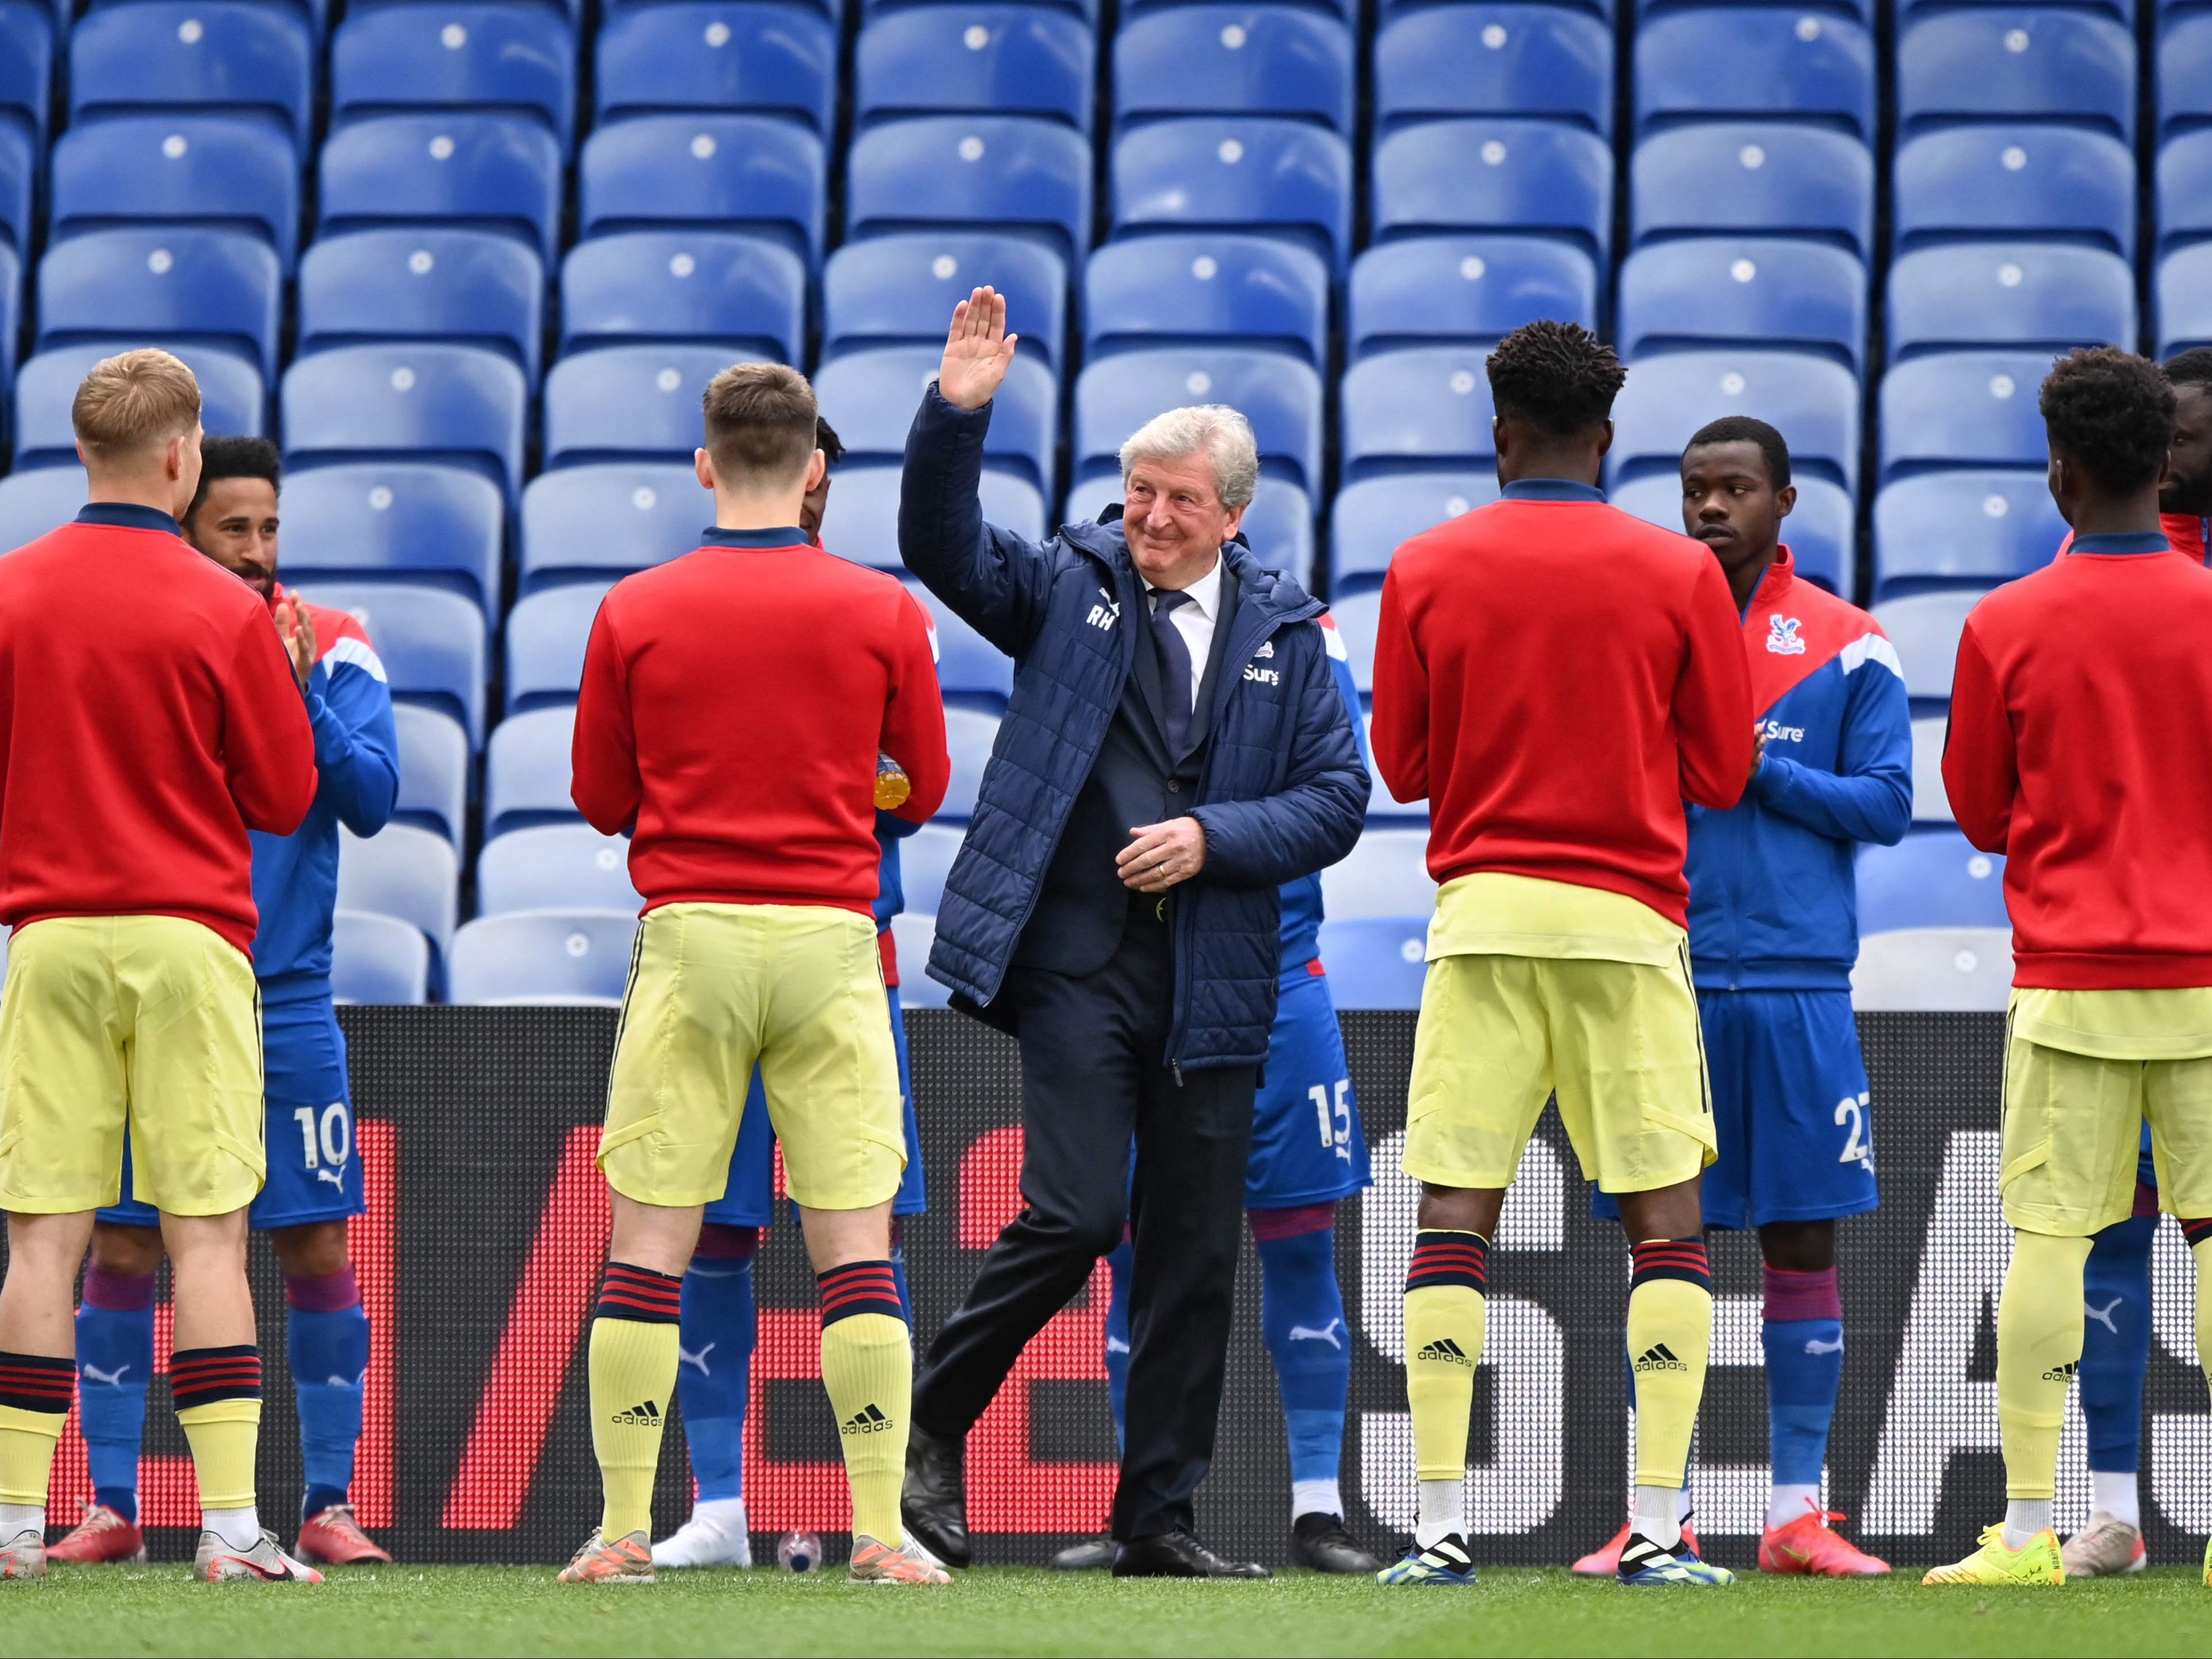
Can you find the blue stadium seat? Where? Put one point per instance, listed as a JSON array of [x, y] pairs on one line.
[[1375, 961], [527, 771], [2183, 191], [861, 523], [233, 398], [211, 57], [26, 69], [1815, 405], [562, 957], [1958, 409], [433, 771], [901, 289], [2184, 74], [1980, 182], [1495, 174], [1494, 58], [740, 292], [629, 403], [31, 503], [968, 735], [1385, 874], [1434, 289], [1925, 627], [912, 937], [471, 287], [1984, 63], [1931, 802], [1004, 174], [869, 397], [1355, 616], [766, 60], [456, 55], [588, 523], [750, 172], [1426, 407], [431, 642], [412, 875], [1772, 62], [11, 309], [427, 402], [378, 959], [969, 666], [1236, 173], [1280, 397], [1232, 60], [2009, 294], [1279, 524], [974, 60], [2124, 10], [545, 636], [213, 170], [1821, 532], [1764, 290], [1933, 879], [168, 284], [1753, 178], [1966, 529], [556, 864], [2182, 291], [18, 167], [1370, 519], [493, 172], [925, 860], [1213, 287], [380, 521]]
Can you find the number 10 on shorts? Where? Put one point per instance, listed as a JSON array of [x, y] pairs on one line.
[[335, 1133]]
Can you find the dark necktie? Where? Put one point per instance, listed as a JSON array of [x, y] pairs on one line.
[[1175, 666]]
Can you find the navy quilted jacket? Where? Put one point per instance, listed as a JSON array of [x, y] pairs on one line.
[[1283, 792]]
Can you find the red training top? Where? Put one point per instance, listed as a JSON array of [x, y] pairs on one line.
[[2080, 747], [1555, 676], [149, 718], [2185, 532], [734, 701]]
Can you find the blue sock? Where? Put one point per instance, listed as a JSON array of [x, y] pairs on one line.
[[1120, 1262], [327, 1343], [1802, 1334], [1301, 1319], [114, 1363], [716, 1330], [2116, 1343]]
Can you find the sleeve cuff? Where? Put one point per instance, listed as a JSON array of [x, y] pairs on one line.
[[333, 741]]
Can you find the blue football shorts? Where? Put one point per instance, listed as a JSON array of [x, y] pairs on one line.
[[1307, 1146]]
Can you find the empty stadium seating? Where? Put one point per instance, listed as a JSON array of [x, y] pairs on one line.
[[1962, 409], [1764, 291], [1931, 800], [470, 286], [1431, 289], [588, 522], [2008, 293], [1236, 173], [1967, 968], [899, 290], [1669, 397], [2011, 180], [1492, 59], [558, 957], [747, 295], [177, 169], [434, 772], [969, 667], [925, 860], [1971, 529], [467, 55], [991, 59], [630, 403], [379, 521], [555, 864], [912, 935], [375, 958], [233, 399], [492, 171], [870, 397], [1982, 63], [1773, 62], [526, 774], [209, 57], [430, 640], [1004, 173], [545, 636], [1782, 179], [1929, 879], [1220, 287], [1424, 407], [1386, 874], [1375, 962], [716, 55], [1495, 174], [1925, 628], [459, 404], [968, 735], [1372, 518], [863, 523], [27, 72], [705, 171], [410, 873]]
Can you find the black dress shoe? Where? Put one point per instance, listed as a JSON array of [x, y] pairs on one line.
[[1321, 1542], [1091, 1555], [933, 1501], [1177, 1555]]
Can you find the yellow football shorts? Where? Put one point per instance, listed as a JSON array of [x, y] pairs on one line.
[[715, 988], [151, 1024], [2073, 1127], [1619, 1041]]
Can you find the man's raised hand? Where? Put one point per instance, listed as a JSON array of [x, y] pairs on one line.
[[977, 351]]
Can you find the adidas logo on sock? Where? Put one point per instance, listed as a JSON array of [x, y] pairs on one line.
[[1445, 1351], [2062, 1373], [646, 1416], [868, 1420], [1659, 1358]]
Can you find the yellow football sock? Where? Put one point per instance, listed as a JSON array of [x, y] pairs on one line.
[[1445, 1316], [2039, 1347], [867, 1366], [28, 1440], [1670, 1333], [632, 1371], [225, 1434]]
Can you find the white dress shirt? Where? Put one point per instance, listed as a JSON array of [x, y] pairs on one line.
[[1195, 620]]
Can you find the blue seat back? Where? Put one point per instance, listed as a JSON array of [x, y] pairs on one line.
[[870, 397], [460, 54], [378, 959], [1385, 875], [376, 521], [26, 67], [583, 523], [426, 401], [1780, 180], [1234, 60], [1931, 880], [211, 169], [1236, 173], [2184, 74], [18, 167], [1963, 409], [34, 502], [433, 771], [975, 60], [1424, 407], [1966, 529], [751, 172], [546, 633], [526, 771], [717, 55], [1217, 286], [1280, 397], [1925, 628], [969, 666], [1372, 518], [898, 290], [234, 398], [2184, 190], [1778, 63], [1767, 291], [1494, 58], [406, 872], [1496, 175], [422, 282], [1669, 397], [171, 284], [495, 171], [556, 957], [431, 642], [557, 864], [225, 57], [1986, 181], [630, 403], [2182, 290], [862, 520], [1431, 289], [1375, 961], [1003, 174], [1994, 63], [2008, 293], [739, 291]]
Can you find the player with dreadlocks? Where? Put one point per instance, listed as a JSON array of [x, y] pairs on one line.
[[1554, 676]]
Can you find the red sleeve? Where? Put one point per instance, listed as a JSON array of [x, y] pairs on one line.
[[1981, 767], [1399, 735], [913, 719], [603, 779], [1712, 696], [269, 747]]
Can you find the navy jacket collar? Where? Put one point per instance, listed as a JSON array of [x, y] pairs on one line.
[[783, 536], [1551, 490], [2137, 541], [127, 515]]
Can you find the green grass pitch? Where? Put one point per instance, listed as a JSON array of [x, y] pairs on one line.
[[472, 1611]]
